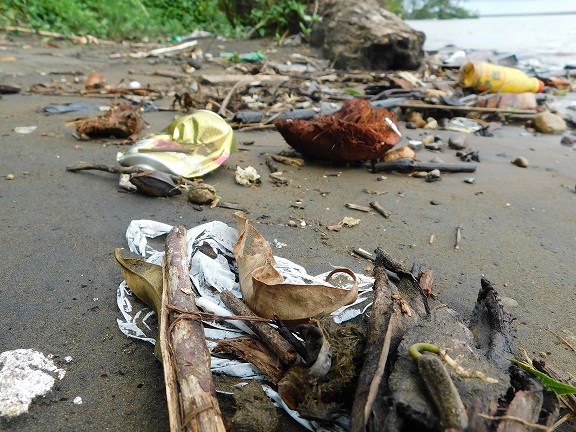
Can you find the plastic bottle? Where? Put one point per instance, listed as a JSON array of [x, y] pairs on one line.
[[486, 77]]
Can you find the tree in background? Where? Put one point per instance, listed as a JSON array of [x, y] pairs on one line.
[[166, 19], [429, 9]]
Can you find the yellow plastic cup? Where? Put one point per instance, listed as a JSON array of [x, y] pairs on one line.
[[487, 77]]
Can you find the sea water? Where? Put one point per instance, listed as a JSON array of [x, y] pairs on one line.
[[551, 38]]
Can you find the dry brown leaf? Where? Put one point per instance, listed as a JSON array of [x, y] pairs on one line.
[[143, 278], [263, 287]]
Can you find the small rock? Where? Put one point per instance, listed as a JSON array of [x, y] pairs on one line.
[[442, 122], [470, 180], [458, 142], [420, 174], [428, 139], [416, 118], [434, 202], [566, 140], [435, 146], [432, 124], [411, 125], [10, 177], [433, 176], [546, 122], [201, 193], [508, 302], [292, 224], [521, 162], [415, 145], [436, 160]]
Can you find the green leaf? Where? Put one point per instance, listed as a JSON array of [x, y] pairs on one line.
[[558, 387], [352, 92]]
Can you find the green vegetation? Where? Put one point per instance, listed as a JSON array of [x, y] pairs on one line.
[[428, 9], [110, 19], [165, 19]]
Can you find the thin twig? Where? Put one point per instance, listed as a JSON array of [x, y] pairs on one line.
[[562, 339], [516, 419], [226, 100]]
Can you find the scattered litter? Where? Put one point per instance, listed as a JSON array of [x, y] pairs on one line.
[[247, 176], [25, 130], [349, 222], [24, 375], [486, 77], [191, 146], [77, 400], [278, 244], [82, 108]]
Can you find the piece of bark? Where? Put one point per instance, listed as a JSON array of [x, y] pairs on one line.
[[269, 336], [286, 160], [443, 393], [391, 264], [192, 404], [491, 325], [426, 281], [525, 405], [409, 165], [271, 164], [254, 352], [377, 346]]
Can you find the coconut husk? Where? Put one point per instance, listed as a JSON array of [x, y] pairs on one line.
[[122, 121], [357, 132]]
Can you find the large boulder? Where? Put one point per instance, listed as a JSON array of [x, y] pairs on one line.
[[362, 35]]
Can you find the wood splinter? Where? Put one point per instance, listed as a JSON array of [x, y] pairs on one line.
[[458, 241]]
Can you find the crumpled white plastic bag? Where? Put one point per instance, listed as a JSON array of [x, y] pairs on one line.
[[209, 277]]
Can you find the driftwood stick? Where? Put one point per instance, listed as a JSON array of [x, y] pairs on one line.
[[376, 206], [192, 405], [116, 169], [422, 106], [269, 336], [377, 345], [409, 165], [271, 164]]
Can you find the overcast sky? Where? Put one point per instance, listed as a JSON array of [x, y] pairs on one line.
[[509, 7]]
